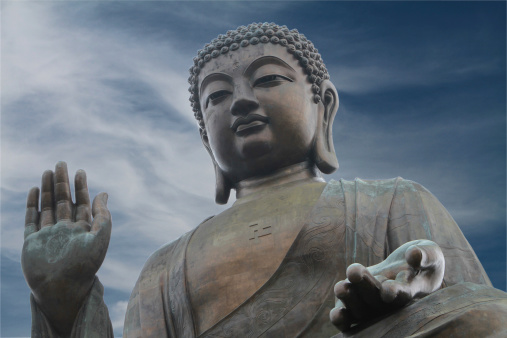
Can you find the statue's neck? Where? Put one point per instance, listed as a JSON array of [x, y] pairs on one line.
[[301, 172]]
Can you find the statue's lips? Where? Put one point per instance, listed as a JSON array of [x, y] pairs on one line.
[[251, 122]]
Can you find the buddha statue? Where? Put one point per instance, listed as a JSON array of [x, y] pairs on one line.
[[294, 255]]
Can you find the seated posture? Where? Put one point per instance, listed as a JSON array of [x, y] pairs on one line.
[[378, 258]]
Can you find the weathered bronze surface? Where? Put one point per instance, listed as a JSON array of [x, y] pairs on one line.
[[292, 251], [63, 248], [463, 310], [243, 248]]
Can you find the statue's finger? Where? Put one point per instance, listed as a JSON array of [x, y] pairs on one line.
[[341, 318], [349, 296], [32, 212], [428, 263], [63, 196], [101, 216], [415, 256], [381, 278], [83, 206], [357, 273], [47, 214], [424, 255], [395, 293], [366, 286], [340, 287]]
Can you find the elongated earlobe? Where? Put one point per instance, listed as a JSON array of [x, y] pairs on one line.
[[222, 184], [222, 187], [324, 155]]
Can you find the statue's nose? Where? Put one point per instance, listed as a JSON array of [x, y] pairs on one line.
[[243, 100]]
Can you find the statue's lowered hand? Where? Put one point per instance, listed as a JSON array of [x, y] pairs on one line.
[[63, 248], [412, 271]]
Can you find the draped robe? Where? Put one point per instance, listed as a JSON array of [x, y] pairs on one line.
[[352, 221]]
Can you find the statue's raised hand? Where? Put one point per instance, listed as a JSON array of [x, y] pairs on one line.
[[63, 248], [413, 270]]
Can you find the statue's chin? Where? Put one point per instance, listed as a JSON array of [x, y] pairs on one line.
[[254, 147], [259, 149]]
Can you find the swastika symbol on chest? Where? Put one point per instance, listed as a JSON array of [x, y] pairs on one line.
[[259, 231]]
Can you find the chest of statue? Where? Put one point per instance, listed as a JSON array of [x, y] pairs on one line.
[[235, 253]]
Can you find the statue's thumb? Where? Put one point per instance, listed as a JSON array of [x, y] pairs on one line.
[[99, 209], [105, 197]]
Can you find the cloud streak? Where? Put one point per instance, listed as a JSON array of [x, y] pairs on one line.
[[116, 109], [103, 86]]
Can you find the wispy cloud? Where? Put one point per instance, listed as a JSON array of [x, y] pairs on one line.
[[103, 86], [117, 314], [366, 79], [113, 107]]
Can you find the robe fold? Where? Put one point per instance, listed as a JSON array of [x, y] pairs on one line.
[[352, 221], [462, 310], [92, 319]]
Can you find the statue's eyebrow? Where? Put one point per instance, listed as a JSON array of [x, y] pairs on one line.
[[263, 60], [213, 77]]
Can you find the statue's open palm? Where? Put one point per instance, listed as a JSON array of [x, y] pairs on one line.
[[413, 270], [63, 248]]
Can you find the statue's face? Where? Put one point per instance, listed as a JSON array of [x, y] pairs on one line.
[[258, 110]]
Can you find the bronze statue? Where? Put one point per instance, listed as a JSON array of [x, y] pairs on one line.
[[268, 265]]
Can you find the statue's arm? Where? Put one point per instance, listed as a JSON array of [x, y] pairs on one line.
[[150, 311], [425, 250], [132, 325], [62, 252], [92, 319], [417, 214], [367, 294], [413, 270]]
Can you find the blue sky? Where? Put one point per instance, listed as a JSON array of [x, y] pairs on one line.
[[103, 86]]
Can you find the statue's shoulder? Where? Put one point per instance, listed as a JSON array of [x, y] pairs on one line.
[[168, 254], [386, 193], [160, 260], [397, 184]]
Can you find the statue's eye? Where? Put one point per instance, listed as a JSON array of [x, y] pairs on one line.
[[214, 97], [270, 80]]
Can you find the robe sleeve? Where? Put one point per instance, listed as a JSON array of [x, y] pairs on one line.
[[92, 319], [416, 214], [147, 311], [382, 215], [159, 305], [132, 326]]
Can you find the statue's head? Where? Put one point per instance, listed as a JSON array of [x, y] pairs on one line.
[[263, 100]]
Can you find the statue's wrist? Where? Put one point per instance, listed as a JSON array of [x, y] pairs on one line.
[[62, 315]]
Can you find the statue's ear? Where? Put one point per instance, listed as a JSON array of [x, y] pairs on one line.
[[324, 155], [222, 185]]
